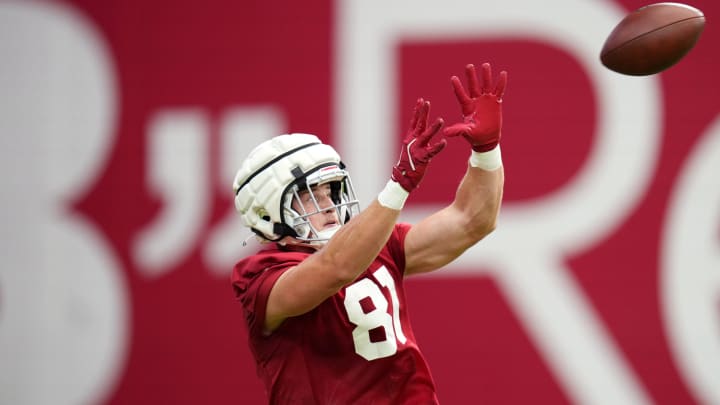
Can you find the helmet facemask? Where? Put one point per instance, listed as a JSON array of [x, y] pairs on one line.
[[298, 214]]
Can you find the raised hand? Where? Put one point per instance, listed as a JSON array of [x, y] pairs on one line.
[[481, 110], [417, 151]]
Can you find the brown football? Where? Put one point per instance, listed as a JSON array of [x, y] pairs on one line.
[[652, 38]]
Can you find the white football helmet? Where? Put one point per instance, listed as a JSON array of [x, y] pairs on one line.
[[270, 178]]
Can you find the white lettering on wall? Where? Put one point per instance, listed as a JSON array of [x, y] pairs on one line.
[[177, 162], [690, 268], [63, 298], [242, 129], [597, 201], [179, 173]]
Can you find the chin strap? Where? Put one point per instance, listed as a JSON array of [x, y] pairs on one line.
[[322, 237]]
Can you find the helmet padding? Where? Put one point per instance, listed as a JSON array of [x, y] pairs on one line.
[[273, 173]]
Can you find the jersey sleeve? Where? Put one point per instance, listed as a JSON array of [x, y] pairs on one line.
[[252, 280], [396, 244]]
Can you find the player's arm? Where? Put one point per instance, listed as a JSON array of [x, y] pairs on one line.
[[356, 244], [443, 236]]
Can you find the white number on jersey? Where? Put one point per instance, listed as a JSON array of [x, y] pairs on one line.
[[379, 317]]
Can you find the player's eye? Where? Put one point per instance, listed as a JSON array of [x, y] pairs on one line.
[[322, 192], [304, 197]]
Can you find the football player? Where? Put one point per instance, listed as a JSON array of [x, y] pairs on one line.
[[324, 300]]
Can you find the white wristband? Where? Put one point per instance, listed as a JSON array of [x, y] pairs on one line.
[[490, 160], [393, 196]]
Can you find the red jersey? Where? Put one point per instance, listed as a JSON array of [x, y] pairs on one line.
[[357, 347]]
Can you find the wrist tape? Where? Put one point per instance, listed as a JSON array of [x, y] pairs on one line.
[[393, 196], [490, 160]]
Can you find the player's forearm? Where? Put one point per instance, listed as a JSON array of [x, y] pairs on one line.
[[346, 255], [357, 243], [479, 198], [440, 238]]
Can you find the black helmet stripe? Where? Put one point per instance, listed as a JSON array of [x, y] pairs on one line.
[[270, 163]]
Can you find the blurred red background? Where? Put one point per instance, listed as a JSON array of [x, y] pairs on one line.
[[186, 340]]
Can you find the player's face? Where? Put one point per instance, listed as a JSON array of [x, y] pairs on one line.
[[327, 217]]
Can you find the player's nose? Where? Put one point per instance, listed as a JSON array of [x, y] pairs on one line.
[[326, 204], [329, 208]]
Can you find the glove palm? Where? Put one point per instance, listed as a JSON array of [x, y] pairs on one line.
[[481, 110]]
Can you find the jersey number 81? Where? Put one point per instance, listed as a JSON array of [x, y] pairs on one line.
[[379, 317]]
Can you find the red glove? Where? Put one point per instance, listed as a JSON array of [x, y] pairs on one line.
[[482, 110], [416, 150]]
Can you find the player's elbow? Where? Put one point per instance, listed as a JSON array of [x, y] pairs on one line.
[[481, 226], [485, 229], [489, 225]]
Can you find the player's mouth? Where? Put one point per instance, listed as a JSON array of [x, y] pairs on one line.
[[331, 224]]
